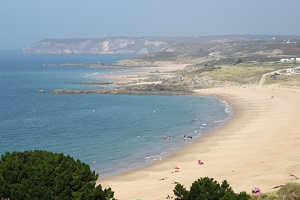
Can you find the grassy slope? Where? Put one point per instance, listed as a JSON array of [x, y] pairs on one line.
[[235, 61]]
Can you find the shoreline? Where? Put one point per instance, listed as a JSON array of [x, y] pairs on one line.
[[170, 145], [256, 148], [196, 132]]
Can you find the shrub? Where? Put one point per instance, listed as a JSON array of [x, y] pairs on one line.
[[45, 175], [208, 189]]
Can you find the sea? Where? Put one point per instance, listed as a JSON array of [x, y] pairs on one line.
[[111, 133]]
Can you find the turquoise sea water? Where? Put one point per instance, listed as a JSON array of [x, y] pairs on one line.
[[111, 133]]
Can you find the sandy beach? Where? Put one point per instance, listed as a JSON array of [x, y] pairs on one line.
[[259, 147], [139, 74]]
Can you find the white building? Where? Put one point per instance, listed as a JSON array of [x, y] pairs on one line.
[[290, 71], [290, 59], [284, 60]]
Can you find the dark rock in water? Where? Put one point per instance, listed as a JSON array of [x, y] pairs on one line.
[[158, 89], [95, 83], [64, 91]]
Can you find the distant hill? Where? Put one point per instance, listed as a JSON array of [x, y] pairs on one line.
[[115, 45], [174, 48]]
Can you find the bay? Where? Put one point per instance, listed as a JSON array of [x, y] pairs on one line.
[[111, 133]]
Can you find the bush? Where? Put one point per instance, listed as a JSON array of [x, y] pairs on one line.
[[46, 175], [208, 189]]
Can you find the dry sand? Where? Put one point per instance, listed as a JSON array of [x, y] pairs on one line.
[[139, 74], [259, 147]]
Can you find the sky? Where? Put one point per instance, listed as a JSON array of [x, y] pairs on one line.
[[24, 22]]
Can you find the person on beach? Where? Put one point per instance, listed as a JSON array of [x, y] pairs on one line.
[[162, 179]]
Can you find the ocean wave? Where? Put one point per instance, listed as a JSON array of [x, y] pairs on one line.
[[226, 104], [135, 164], [149, 157], [228, 110], [174, 149], [163, 153], [92, 74], [218, 121]]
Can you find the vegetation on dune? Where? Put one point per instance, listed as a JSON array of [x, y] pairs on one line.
[[160, 56], [221, 75], [254, 60], [45, 175], [240, 74], [209, 189], [290, 191], [285, 80]]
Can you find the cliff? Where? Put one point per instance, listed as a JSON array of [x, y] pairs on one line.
[[117, 45]]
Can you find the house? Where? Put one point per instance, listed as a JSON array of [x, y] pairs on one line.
[[290, 59], [290, 71], [284, 60]]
